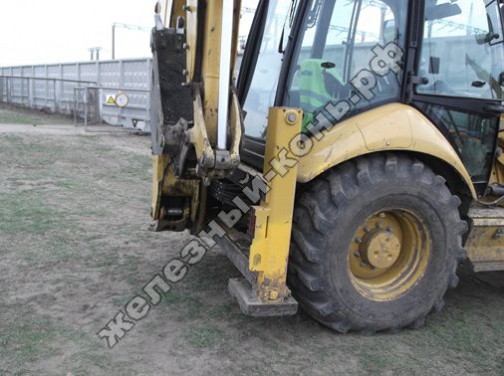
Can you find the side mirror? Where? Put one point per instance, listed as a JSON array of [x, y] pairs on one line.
[[486, 38], [389, 31], [437, 12]]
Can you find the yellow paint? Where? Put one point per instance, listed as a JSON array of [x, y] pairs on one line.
[[236, 129], [393, 127], [269, 252], [159, 164], [210, 67], [198, 135], [382, 250], [191, 36]]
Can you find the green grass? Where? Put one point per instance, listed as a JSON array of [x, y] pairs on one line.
[[28, 342], [12, 118], [204, 337], [75, 206], [28, 117], [27, 212]]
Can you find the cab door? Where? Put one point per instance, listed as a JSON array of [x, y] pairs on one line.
[[459, 74]]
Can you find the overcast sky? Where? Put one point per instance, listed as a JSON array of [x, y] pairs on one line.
[[56, 31]]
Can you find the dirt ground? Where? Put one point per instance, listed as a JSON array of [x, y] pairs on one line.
[[74, 249]]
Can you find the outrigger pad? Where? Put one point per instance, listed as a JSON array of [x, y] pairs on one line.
[[250, 305]]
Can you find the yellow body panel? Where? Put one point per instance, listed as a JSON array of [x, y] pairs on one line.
[[269, 252], [393, 127]]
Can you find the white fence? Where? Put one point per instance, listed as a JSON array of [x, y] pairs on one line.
[[61, 88]]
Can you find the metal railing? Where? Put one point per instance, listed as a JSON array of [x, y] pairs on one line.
[[65, 88]]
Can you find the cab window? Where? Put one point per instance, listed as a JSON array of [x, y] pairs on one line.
[[263, 86], [337, 43], [462, 52]]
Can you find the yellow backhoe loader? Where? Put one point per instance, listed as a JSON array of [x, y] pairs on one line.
[[354, 162]]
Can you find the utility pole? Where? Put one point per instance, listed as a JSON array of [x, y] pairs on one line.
[[113, 40], [97, 50]]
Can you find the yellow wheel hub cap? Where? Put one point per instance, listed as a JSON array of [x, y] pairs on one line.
[[389, 254], [381, 250]]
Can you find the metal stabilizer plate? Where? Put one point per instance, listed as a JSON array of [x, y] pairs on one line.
[[249, 303], [485, 244]]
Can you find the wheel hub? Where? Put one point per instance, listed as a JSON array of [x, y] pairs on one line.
[[381, 250], [389, 254]]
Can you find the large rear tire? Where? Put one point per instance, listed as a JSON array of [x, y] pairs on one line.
[[376, 243]]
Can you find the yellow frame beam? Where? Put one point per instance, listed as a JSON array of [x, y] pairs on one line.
[[269, 253]]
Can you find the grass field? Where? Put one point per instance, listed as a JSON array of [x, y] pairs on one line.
[[74, 247]]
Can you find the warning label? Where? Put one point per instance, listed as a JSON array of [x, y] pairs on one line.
[[110, 100]]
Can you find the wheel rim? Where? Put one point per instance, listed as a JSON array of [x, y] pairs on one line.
[[389, 254]]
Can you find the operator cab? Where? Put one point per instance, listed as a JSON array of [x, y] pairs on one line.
[[337, 58]]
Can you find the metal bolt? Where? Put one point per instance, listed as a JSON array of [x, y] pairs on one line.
[[367, 229], [185, 46], [357, 254], [358, 240], [389, 229], [379, 226], [292, 117], [185, 72]]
